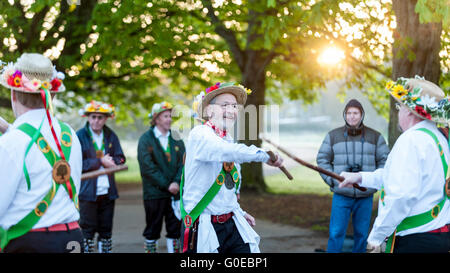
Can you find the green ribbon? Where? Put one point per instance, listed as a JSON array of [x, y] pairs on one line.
[[209, 196], [34, 138], [425, 217], [95, 143]]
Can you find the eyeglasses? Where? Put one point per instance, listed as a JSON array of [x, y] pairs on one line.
[[99, 117], [225, 105]]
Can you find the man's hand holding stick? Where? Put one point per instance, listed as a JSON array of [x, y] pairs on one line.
[[311, 166]]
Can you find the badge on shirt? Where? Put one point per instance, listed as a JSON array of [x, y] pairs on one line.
[[61, 171], [99, 154]]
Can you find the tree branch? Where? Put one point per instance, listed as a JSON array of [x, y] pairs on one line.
[[35, 25], [370, 66], [227, 34]]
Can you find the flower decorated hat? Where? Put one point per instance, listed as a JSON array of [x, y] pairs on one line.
[[158, 108], [98, 107], [32, 73], [204, 98], [423, 98]]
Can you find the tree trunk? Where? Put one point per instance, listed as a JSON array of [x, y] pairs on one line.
[[254, 77], [416, 52]]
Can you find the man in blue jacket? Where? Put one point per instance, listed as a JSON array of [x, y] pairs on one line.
[[101, 149]]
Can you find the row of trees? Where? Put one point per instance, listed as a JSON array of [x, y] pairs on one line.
[[140, 51]]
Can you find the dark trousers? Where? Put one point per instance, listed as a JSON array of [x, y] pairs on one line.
[[97, 217], [230, 241], [155, 211], [423, 243], [47, 242]]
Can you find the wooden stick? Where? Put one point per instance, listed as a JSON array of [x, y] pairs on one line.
[[311, 166], [110, 170], [282, 168]]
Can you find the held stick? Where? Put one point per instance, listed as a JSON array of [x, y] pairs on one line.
[[311, 166], [282, 168], [110, 170]]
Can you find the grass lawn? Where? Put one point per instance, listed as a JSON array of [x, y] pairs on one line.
[[305, 180], [132, 175]]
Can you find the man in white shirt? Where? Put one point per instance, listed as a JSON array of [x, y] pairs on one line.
[[40, 161], [212, 219], [414, 207], [160, 156], [101, 149]]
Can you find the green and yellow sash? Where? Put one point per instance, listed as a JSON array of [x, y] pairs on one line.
[[27, 223], [428, 216]]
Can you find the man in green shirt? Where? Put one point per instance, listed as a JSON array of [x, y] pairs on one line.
[[160, 156]]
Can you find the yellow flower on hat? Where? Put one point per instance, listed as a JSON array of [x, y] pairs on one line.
[[195, 105], [45, 85], [398, 91], [166, 105], [389, 85], [247, 90]]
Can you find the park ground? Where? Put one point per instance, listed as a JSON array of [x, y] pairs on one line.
[[292, 216]]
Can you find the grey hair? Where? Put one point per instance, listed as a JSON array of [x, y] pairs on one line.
[[213, 101]]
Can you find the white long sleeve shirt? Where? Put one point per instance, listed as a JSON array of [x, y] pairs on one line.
[[163, 139], [15, 199], [205, 154], [102, 180], [413, 180]]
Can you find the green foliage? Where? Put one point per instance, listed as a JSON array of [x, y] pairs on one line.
[[135, 53], [434, 11]]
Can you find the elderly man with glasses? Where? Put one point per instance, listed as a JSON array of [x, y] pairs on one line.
[[212, 219]]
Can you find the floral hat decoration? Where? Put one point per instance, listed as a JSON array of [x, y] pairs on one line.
[[423, 98], [158, 108], [98, 107], [32, 73], [205, 97]]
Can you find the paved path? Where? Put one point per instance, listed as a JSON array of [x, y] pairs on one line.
[[129, 222]]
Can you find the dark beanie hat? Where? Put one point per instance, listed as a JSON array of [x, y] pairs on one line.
[[354, 103]]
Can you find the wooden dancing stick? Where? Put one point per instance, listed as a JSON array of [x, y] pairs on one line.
[[282, 168], [110, 170], [311, 166]]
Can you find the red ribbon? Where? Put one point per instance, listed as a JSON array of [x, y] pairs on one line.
[[186, 240], [43, 96], [218, 131]]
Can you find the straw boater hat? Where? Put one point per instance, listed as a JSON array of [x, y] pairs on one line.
[[32, 73], [157, 109], [205, 97], [423, 98], [99, 108]]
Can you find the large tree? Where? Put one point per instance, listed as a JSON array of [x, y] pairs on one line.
[[138, 51], [417, 45]]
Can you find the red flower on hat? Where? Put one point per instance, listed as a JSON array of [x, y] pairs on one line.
[[15, 79], [422, 112], [56, 83], [212, 88]]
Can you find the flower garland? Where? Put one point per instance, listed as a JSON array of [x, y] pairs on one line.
[[160, 107], [425, 106], [198, 99], [15, 78], [98, 107]]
